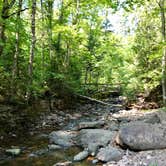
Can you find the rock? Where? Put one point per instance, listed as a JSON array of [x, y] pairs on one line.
[[113, 125], [2, 99], [95, 161], [142, 136], [150, 118], [109, 154], [81, 156], [13, 152], [42, 136], [153, 119], [63, 138], [41, 152], [67, 163], [90, 125], [116, 108], [54, 147], [95, 138], [32, 155]]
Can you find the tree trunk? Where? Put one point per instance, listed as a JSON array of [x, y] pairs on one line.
[[6, 6], [59, 36], [2, 35], [75, 19], [4, 14], [17, 50], [17, 44], [50, 16], [33, 42], [42, 40], [163, 30]]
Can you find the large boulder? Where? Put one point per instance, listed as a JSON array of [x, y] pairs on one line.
[[109, 153], [92, 139], [142, 136], [63, 138]]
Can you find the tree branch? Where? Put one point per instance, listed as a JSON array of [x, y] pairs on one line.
[[11, 4], [19, 11]]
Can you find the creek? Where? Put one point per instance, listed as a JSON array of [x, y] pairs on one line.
[[34, 147], [34, 152]]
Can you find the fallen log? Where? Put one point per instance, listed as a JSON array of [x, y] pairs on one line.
[[93, 100], [98, 101]]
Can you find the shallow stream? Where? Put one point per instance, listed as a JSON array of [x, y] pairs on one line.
[[35, 153]]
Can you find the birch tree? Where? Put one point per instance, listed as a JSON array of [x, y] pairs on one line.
[[33, 42], [161, 4]]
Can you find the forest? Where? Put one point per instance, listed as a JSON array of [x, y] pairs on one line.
[[46, 43], [78, 58]]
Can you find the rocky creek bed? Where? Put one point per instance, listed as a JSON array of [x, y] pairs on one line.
[[92, 134]]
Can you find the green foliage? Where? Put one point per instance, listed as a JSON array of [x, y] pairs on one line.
[[75, 46]]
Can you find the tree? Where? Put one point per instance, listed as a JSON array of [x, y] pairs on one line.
[[6, 6], [33, 42], [17, 44], [161, 4]]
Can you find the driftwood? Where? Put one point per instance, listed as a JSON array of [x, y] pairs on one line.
[[94, 100], [99, 101]]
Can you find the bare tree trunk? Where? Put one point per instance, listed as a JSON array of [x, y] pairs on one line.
[[75, 19], [17, 50], [86, 75], [42, 35], [4, 13], [33, 42], [2, 36], [17, 44], [59, 36], [163, 30], [50, 16], [67, 57]]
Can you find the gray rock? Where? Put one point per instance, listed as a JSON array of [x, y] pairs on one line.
[[152, 118], [116, 108], [95, 161], [146, 118], [109, 154], [41, 152], [88, 125], [42, 136], [63, 138], [81, 156], [32, 155], [142, 136], [113, 125], [67, 163], [13, 152], [54, 147], [95, 138]]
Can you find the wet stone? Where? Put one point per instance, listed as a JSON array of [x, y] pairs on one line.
[[81, 156]]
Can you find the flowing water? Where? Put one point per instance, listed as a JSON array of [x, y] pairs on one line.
[[35, 153]]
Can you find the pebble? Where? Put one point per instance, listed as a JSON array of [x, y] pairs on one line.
[[148, 157], [95, 161], [81, 156], [13, 152], [54, 147]]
